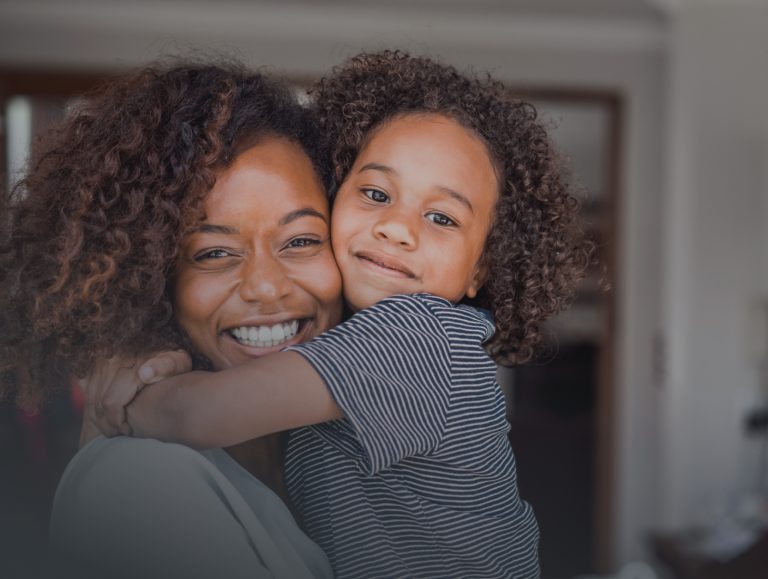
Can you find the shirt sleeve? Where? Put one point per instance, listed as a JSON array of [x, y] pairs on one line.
[[389, 369]]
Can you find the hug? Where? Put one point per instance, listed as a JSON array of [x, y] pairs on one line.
[[293, 316]]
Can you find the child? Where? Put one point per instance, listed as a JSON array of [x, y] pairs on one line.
[[399, 462]]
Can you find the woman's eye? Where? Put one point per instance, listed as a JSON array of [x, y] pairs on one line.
[[212, 254], [441, 219], [303, 242], [376, 195]]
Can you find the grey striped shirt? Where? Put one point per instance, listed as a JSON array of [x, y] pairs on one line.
[[419, 479]]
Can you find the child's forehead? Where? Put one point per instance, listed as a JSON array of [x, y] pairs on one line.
[[427, 157], [406, 138], [410, 119], [437, 130]]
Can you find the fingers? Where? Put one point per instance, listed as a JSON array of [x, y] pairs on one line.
[[165, 365], [93, 386], [108, 388], [122, 389], [99, 418], [113, 383], [88, 432]]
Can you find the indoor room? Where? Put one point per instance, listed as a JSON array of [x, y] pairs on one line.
[[640, 427]]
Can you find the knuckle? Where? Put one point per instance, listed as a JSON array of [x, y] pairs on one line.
[[116, 419]]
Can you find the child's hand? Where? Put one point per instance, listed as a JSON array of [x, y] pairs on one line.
[[114, 383]]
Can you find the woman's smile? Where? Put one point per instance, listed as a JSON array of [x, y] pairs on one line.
[[255, 340], [258, 274], [265, 336]]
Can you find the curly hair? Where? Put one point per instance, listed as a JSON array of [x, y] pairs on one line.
[[535, 252], [93, 231]]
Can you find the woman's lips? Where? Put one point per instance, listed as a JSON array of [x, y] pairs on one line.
[[265, 336], [262, 339], [384, 263]]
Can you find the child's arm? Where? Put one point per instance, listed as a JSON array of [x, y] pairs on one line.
[[216, 409], [113, 383]]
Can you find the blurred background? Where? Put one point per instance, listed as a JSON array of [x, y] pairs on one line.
[[641, 433]]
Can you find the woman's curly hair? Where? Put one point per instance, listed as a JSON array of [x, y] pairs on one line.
[[91, 236], [535, 252]]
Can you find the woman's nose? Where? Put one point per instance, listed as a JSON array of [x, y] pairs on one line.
[[264, 280], [397, 229]]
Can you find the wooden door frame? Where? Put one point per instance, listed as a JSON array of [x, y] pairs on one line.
[[605, 411]]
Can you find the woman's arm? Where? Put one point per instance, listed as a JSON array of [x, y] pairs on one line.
[[217, 409]]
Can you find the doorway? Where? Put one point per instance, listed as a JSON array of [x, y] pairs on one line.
[[561, 403]]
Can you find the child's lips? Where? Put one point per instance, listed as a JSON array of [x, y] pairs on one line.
[[385, 262]]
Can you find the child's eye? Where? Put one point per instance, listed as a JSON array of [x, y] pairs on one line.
[[441, 219], [217, 253], [376, 195]]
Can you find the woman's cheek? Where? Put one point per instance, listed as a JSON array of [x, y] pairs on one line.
[[195, 303], [322, 280]]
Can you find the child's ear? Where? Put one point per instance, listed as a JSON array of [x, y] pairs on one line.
[[478, 279]]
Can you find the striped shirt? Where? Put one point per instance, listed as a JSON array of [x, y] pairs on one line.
[[418, 479]]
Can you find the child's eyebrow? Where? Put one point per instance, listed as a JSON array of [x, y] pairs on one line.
[[445, 190], [459, 197], [303, 212], [378, 167]]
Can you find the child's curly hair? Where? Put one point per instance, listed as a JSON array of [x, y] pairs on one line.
[[535, 251], [90, 237]]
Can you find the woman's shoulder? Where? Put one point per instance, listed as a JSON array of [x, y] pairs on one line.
[[107, 471], [130, 507], [110, 456]]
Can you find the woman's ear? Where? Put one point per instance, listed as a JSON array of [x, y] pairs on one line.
[[478, 279]]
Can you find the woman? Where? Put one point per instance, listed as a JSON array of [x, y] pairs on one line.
[[177, 208]]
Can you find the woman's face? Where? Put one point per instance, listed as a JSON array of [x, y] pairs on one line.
[[258, 274]]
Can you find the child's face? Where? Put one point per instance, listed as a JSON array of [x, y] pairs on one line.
[[414, 212]]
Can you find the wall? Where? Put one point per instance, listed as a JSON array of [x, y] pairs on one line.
[[715, 256]]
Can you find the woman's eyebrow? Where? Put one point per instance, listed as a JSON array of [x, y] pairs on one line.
[[303, 212], [213, 228]]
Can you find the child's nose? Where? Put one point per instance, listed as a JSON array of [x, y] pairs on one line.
[[397, 229]]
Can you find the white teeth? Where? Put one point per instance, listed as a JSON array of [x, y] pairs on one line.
[[265, 336]]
